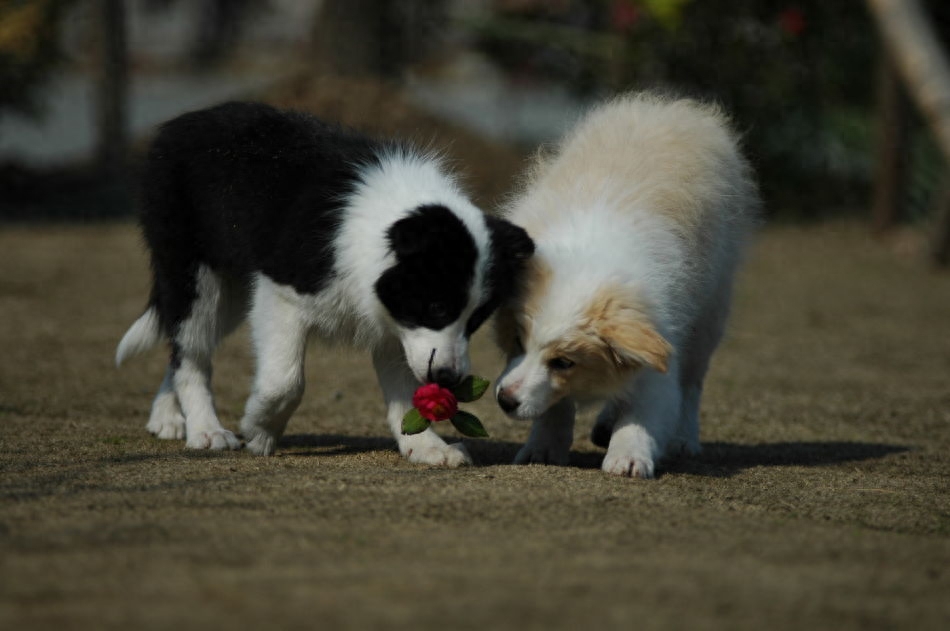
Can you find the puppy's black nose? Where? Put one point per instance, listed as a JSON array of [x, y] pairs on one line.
[[446, 377], [507, 402]]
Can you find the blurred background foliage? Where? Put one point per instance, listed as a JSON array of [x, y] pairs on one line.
[[799, 77], [29, 50]]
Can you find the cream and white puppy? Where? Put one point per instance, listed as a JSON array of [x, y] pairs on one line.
[[638, 218]]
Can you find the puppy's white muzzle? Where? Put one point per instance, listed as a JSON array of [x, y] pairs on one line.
[[439, 356], [524, 390]]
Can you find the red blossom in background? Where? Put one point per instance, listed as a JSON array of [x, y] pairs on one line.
[[624, 15], [434, 402], [792, 21]]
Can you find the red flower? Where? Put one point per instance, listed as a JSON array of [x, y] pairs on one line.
[[434, 402], [792, 21]]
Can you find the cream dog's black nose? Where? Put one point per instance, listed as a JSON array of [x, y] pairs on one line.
[[507, 402]]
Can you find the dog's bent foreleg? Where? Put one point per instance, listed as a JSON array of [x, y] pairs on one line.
[[280, 335], [398, 385]]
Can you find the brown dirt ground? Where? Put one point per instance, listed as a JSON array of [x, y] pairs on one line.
[[822, 499]]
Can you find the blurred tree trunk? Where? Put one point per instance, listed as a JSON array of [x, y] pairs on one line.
[[923, 64], [111, 89], [892, 137]]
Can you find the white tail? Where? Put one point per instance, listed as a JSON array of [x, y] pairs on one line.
[[141, 336]]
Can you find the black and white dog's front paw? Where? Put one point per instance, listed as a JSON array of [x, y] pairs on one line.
[[428, 448]]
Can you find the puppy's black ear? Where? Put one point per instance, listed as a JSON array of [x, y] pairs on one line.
[[511, 248], [510, 240]]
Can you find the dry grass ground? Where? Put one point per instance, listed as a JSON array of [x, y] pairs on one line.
[[822, 499]]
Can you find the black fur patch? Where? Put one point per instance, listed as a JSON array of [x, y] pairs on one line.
[[435, 264], [511, 247], [243, 187]]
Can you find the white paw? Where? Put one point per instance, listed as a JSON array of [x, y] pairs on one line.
[[167, 427], [261, 443], [216, 440], [631, 452], [428, 448], [165, 420], [541, 453], [628, 466]]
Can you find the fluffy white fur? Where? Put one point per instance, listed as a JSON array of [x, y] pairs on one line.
[[639, 218]]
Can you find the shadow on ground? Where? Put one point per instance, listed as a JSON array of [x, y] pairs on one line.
[[727, 459], [718, 459]]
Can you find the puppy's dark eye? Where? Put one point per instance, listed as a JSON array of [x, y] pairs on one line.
[[437, 310], [518, 345], [560, 363]]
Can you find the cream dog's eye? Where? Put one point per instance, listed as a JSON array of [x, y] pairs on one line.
[[560, 363]]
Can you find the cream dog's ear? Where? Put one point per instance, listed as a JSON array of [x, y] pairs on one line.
[[622, 324], [634, 343]]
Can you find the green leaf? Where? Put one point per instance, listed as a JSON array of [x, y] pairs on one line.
[[469, 425], [471, 389], [413, 422]]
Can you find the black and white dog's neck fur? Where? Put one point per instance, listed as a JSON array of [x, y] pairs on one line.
[[308, 227]]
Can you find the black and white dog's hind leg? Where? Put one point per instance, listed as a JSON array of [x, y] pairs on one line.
[[195, 310], [213, 314], [166, 420]]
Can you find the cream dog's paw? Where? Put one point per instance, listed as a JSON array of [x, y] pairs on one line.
[[628, 465], [632, 453]]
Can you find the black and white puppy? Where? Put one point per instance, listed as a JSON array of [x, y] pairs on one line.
[[306, 227]]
